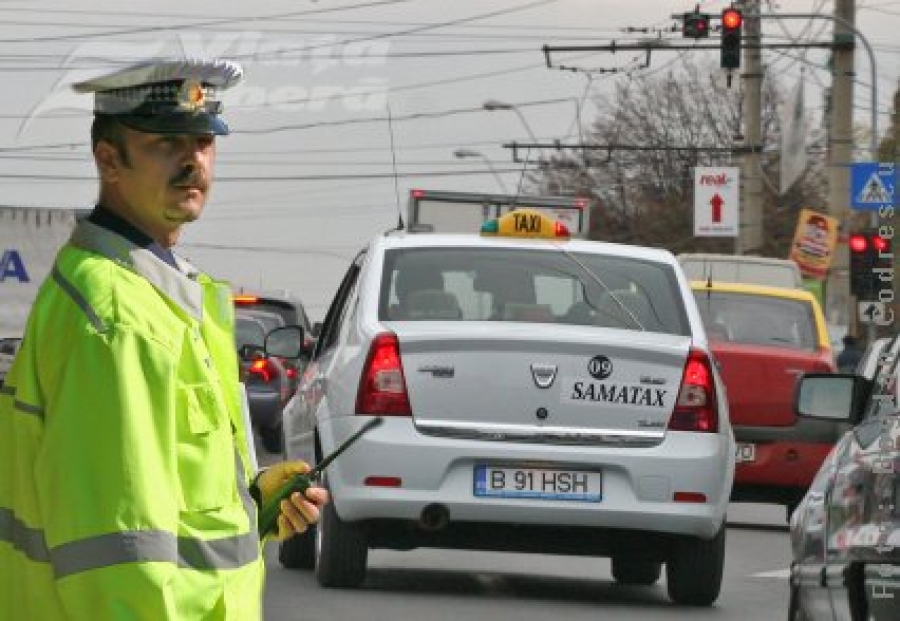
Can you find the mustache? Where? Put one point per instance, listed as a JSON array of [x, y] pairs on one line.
[[192, 177]]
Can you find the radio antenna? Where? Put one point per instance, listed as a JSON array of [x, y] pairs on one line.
[[400, 224]]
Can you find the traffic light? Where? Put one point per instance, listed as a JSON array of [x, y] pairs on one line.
[[870, 264], [695, 25], [732, 20]]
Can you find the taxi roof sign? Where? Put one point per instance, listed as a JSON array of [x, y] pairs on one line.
[[526, 223]]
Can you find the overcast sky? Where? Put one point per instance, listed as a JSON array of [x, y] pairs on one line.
[[307, 175]]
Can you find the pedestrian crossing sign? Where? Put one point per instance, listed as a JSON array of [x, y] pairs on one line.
[[872, 185]]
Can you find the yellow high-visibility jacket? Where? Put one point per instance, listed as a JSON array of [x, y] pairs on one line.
[[124, 461]]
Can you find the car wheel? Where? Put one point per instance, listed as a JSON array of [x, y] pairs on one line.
[[635, 572], [271, 439], [299, 552], [694, 572], [795, 611], [341, 551]]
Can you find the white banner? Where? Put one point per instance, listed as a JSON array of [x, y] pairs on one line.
[[794, 128], [29, 241]]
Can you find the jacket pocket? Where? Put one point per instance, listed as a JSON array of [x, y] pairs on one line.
[[205, 450]]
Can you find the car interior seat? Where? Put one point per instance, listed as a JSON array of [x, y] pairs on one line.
[[611, 310], [580, 313], [717, 331], [432, 304], [410, 283]]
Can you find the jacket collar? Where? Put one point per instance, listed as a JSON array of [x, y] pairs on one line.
[[179, 286]]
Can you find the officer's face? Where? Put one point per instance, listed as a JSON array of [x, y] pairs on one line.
[[165, 182]]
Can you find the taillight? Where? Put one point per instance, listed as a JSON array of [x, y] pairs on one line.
[[382, 389], [695, 409], [263, 369]]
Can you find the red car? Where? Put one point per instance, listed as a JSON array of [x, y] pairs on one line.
[[764, 339]]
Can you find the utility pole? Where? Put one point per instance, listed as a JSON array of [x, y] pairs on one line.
[[839, 305], [750, 232]]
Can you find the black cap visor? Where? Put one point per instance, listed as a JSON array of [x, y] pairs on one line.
[[185, 123]]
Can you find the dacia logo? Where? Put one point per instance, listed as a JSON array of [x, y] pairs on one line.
[[12, 266]]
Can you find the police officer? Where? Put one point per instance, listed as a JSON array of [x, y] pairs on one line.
[[126, 484]]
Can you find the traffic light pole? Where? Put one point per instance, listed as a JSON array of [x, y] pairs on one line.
[[750, 229]]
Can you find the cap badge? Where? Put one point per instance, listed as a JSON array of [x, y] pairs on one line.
[[191, 97]]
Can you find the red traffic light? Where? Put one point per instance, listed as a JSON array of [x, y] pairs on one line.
[[858, 242], [868, 242], [731, 19]]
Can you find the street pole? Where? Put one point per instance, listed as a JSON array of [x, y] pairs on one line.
[[750, 230], [840, 156]]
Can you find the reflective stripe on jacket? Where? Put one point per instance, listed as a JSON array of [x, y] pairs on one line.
[[123, 477]]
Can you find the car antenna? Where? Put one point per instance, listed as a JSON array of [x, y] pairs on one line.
[[400, 224]]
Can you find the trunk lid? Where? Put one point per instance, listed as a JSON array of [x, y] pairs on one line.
[[518, 381], [761, 381]]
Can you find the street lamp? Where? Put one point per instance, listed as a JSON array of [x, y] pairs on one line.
[[463, 153], [493, 104]]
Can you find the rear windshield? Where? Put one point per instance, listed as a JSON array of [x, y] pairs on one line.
[[535, 286], [757, 320], [248, 332]]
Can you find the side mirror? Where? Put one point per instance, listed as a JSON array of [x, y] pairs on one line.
[[285, 342], [831, 396], [249, 351]]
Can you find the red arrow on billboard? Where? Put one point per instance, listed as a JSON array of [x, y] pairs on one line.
[[716, 202]]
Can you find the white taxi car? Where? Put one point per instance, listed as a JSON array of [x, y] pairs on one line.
[[538, 393]]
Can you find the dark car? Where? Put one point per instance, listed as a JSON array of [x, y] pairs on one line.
[[291, 367], [845, 534], [269, 355], [288, 307]]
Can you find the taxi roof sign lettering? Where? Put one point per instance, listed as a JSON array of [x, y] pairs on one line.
[[527, 223]]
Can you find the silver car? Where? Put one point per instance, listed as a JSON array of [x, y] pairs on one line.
[[554, 396]]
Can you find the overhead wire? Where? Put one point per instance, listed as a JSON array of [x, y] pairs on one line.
[[181, 26]]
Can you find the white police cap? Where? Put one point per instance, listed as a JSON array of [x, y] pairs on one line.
[[166, 96]]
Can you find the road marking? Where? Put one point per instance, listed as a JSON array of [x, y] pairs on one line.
[[782, 574]]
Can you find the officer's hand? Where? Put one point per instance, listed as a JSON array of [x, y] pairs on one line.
[[299, 510]]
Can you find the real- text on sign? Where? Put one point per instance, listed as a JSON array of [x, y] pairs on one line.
[[716, 208]]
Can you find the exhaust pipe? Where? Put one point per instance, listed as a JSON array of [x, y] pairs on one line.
[[434, 517]]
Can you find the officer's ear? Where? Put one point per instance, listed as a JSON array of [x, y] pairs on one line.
[[109, 161]]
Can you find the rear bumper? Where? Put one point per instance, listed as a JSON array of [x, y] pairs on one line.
[[638, 483], [787, 460], [803, 430], [790, 464], [531, 538]]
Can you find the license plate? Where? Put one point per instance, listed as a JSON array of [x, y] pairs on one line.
[[511, 482], [744, 452]]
